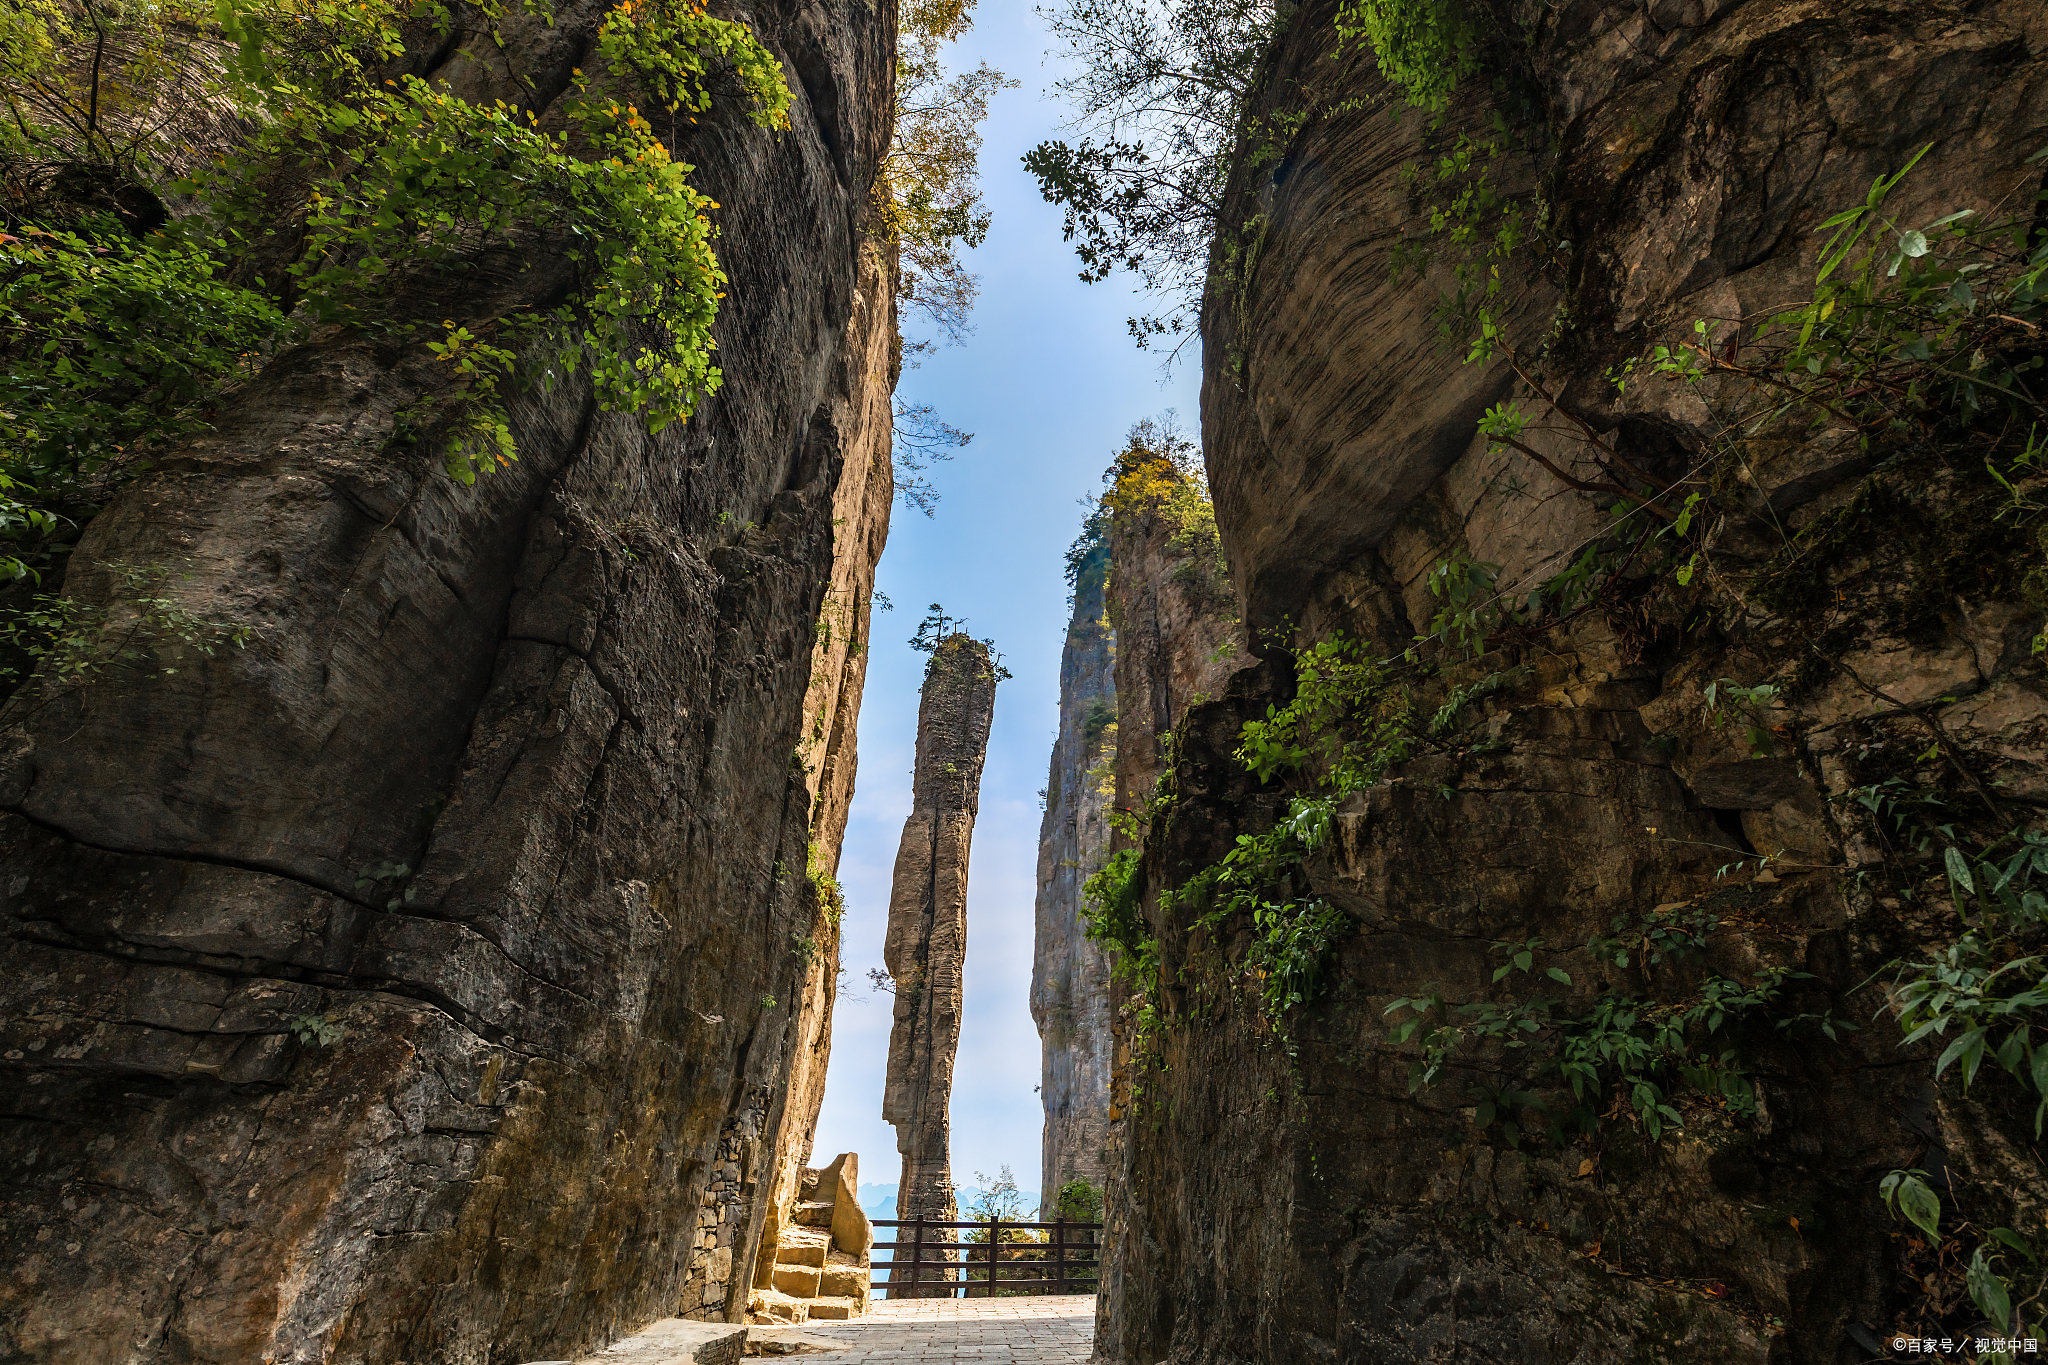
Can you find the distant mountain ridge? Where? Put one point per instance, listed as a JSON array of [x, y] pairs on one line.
[[878, 1200]]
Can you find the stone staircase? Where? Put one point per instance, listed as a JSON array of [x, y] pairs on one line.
[[818, 1269]]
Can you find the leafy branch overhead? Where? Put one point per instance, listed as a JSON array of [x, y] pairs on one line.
[[1158, 93], [929, 191]]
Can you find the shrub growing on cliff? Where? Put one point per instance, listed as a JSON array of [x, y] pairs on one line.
[[277, 128]]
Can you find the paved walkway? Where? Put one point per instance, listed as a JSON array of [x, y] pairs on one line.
[[1042, 1329]]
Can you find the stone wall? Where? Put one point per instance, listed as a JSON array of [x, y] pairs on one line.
[[1291, 1197], [485, 792]]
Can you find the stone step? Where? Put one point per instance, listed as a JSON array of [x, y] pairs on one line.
[[844, 1281], [836, 1309], [797, 1281], [773, 1306], [802, 1246], [790, 1341], [676, 1341], [813, 1213]]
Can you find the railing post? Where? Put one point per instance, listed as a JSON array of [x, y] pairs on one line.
[[1059, 1257], [995, 1235], [916, 1251]]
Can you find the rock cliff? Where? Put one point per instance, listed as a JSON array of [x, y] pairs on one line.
[[926, 945], [425, 981], [1674, 783], [1070, 974]]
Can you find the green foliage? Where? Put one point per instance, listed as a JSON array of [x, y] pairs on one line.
[[677, 50], [1078, 1202], [134, 341], [1638, 1049], [997, 1198], [1347, 724], [1425, 47], [1907, 1193], [937, 628], [270, 121], [1101, 717], [1292, 943], [825, 887], [316, 1030], [1909, 326], [1979, 995], [927, 191], [1113, 912], [1088, 556], [1159, 473], [1159, 93], [143, 629]]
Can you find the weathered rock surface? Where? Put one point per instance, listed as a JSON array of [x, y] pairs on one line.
[[926, 945], [1296, 1201], [1070, 975], [1178, 638], [487, 792]]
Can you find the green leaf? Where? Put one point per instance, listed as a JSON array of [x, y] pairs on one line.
[[1558, 974], [1920, 1205], [1969, 1048], [2016, 1242], [1988, 1291], [1958, 870]]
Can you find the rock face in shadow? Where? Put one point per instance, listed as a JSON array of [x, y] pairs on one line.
[[505, 798], [927, 940], [1284, 1194], [1069, 974]]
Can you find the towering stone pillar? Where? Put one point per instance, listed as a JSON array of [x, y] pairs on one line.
[[927, 941]]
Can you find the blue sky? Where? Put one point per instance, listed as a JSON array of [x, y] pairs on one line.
[[1048, 384]]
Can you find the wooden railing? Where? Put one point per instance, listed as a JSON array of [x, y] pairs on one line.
[[934, 1263]]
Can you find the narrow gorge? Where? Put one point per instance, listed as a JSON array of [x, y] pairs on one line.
[[1544, 852]]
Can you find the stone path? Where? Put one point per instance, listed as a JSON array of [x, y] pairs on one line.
[[1045, 1329]]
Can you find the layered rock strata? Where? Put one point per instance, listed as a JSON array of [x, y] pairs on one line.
[[926, 946], [1070, 974], [1292, 1196], [422, 981]]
